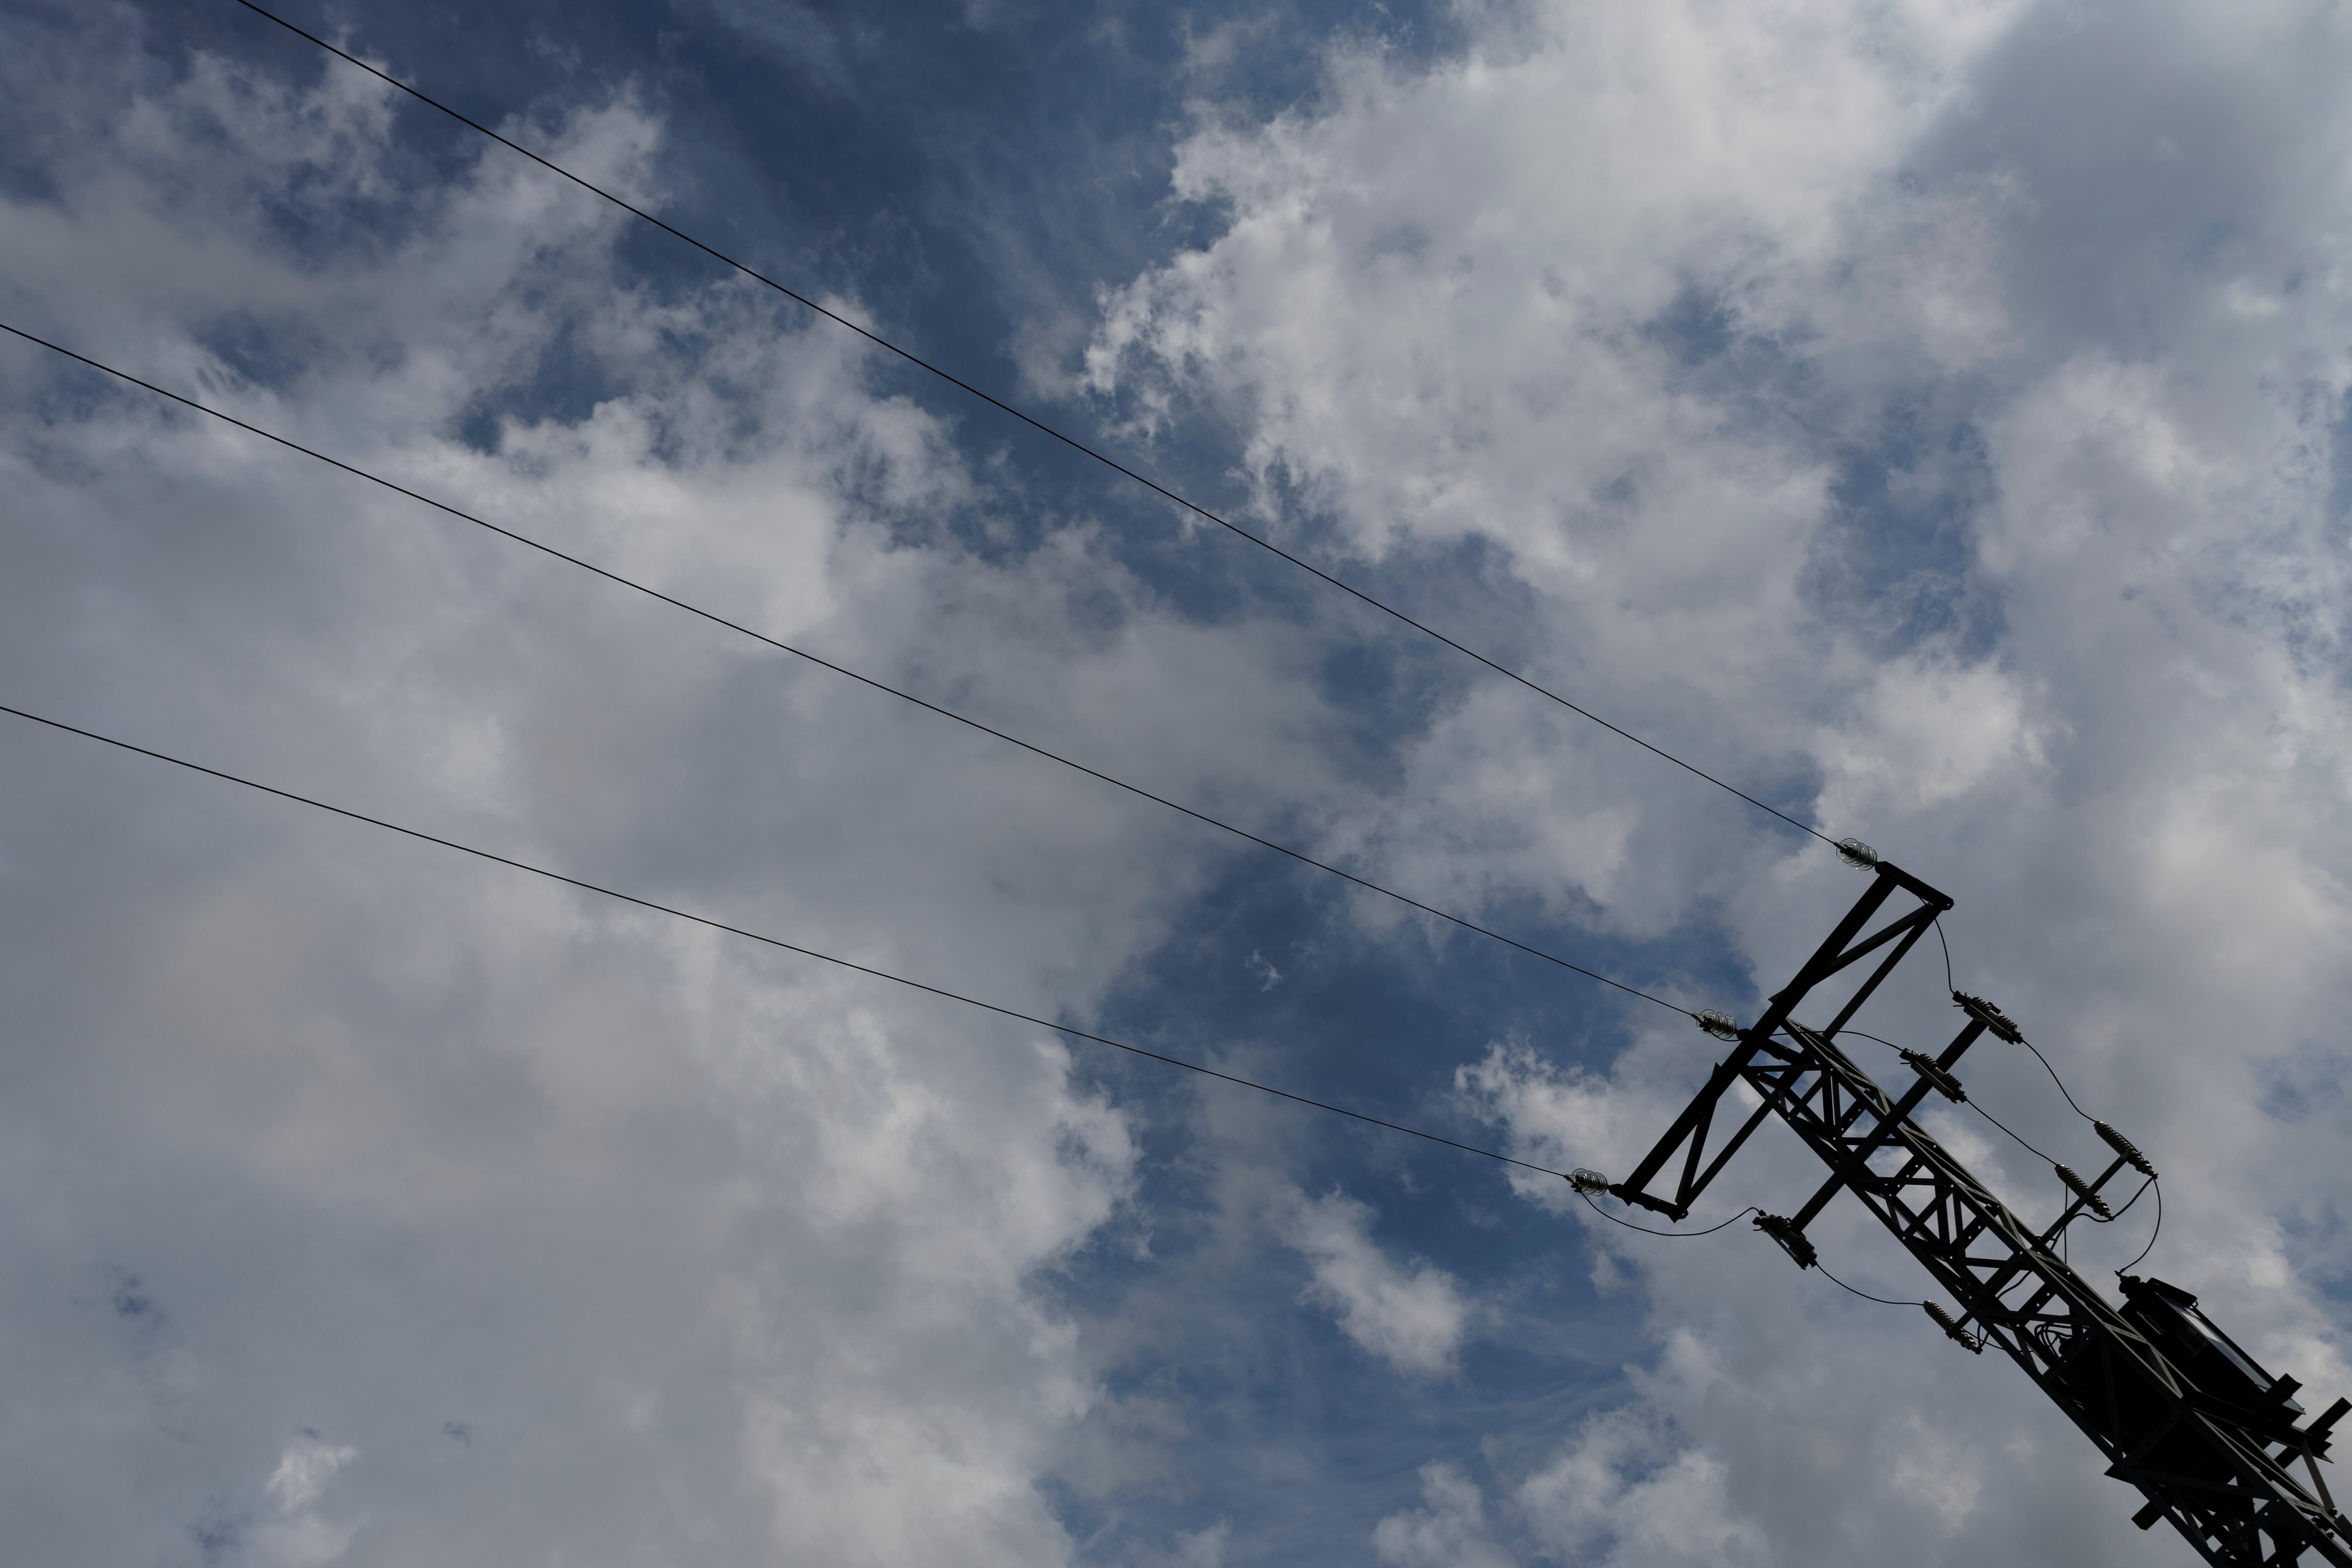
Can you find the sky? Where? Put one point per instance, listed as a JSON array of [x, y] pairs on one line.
[[1932, 417]]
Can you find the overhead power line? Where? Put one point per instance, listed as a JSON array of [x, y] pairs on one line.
[[629, 582], [1070, 441], [2046, 1158], [2021, 1040], [1646, 1230], [770, 941], [1863, 1294]]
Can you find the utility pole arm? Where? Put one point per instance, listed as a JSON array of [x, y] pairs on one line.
[[2180, 1411]]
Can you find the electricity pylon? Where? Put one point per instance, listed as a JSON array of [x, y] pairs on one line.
[[2179, 1410]]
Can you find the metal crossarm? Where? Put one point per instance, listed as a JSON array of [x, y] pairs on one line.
[[2179, 1409], [1842, 948]]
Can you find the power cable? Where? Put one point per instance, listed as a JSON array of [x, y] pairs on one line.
[[2012, 1137], [1863, 1294], [2029, 1045], [2021, 1142], [1710, 1230], [2061, 1082], [1979, 1109], [2152, 1235], [770, 940], [1646, 1230], [718, 620], [2136, 1196], [2021, 1040], [1038, 425], [2037, 1153]]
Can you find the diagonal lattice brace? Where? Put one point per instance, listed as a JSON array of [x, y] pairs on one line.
[[2208, 1440], [1845, 946]]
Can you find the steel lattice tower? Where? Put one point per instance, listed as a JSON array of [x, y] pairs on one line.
[[2211, 1440]]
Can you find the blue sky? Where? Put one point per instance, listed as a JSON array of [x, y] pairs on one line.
[[1929, 414]]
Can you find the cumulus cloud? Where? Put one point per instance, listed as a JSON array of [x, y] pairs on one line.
[[1562, 313], [598, 1231], [1411, 1316], [1448, 1531], [1623, 1492], [1931, 416], [1874, 438], [298, 1536]]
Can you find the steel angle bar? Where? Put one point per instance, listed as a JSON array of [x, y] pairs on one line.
[[1687, 1136], [2199, 1450]]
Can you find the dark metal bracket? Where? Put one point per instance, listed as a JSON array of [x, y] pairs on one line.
[[2208, 1441]]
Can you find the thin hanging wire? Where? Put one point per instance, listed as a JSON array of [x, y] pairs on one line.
[[2145, 1187], [774, 941], [1035, 423], [1863, 1294], [2061, 1082], [1646, 1230], [2136, 1198], [821, 663], [1972, 1105], [2029, 1045], [2152, 1235]]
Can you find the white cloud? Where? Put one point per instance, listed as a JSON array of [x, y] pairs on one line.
[[1931, 732], [1930, 413], [1933, 415], [624, 1240], [298, 1536], [1620, 1492], [1449, 1531], [1412, 1316], [304, 1469], [1561, 1119], [1441, 298], [1939, 1473], [1193, 1549]]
